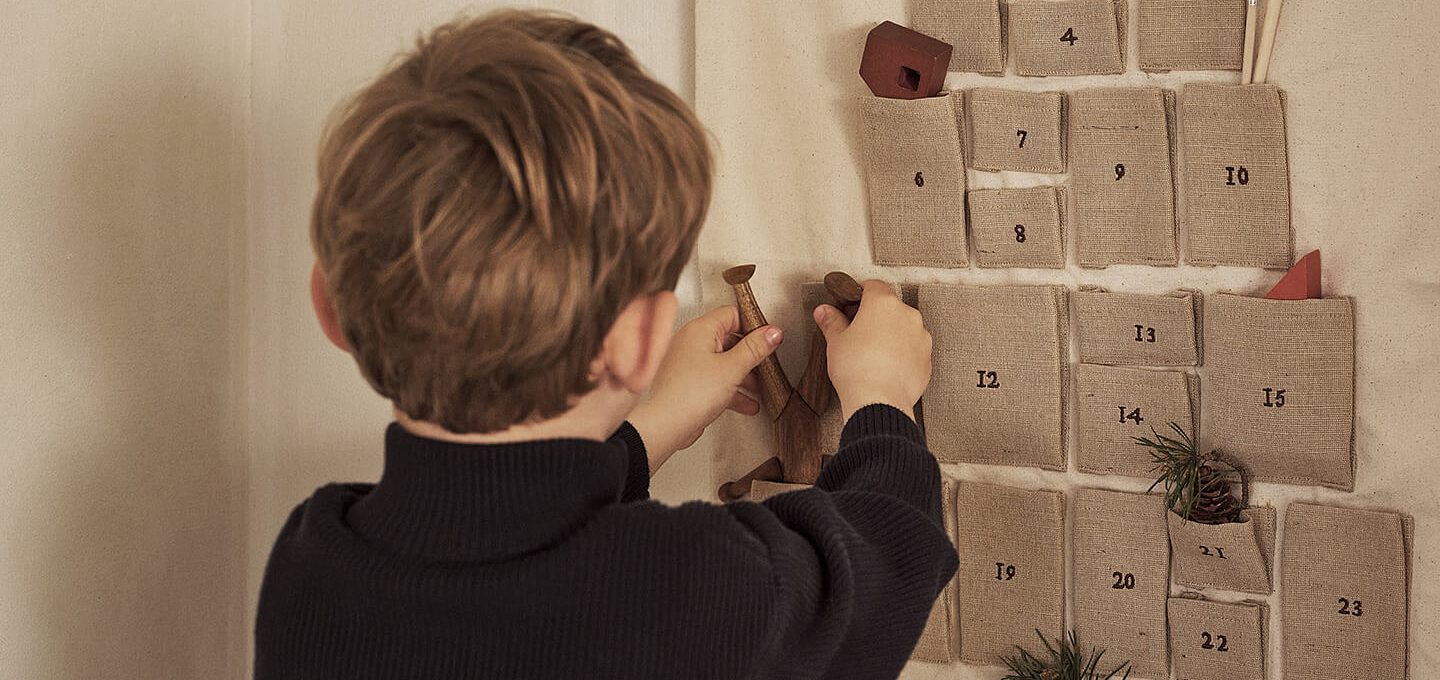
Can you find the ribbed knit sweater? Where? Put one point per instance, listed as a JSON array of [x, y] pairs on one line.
[[546, 560]]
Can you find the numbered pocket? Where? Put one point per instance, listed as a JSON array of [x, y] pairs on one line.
[[1235, 175], [1122, 176], [1115, 405], [915, 175], [940, 641], [997, 393], [1281, 387], [1137, 329], [1191, 36], [1014, 130], [971, 26], [1235, 556], [1069, 38], [1011, 582], [1217, 640], [1121, 577], [1346, 579], [1018, 227]]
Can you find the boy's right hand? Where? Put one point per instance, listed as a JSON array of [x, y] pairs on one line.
[[882, 357]]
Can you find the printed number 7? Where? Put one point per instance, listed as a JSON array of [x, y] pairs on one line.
[[1022, 135]]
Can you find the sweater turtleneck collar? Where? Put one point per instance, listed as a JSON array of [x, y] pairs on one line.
[[447, 502]]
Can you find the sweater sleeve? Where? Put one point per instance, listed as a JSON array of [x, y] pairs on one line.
[[856, 562], [637, 479]]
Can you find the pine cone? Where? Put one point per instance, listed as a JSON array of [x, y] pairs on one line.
[[1215, 504]]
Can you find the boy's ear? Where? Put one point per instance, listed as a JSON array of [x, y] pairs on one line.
[[325, 308], [637, 342]]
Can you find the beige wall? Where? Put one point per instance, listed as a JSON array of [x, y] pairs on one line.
[[122, 493], [166, 397]]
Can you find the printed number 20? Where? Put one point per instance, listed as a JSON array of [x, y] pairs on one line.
[[1123, 581]]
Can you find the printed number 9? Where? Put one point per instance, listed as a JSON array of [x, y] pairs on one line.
[[1119, 171]]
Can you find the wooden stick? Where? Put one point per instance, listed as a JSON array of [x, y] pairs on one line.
[[775, 388], [1247, 68], [1267, 40]]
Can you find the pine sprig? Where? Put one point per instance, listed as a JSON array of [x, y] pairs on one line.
[[1062, 660], [1194, 489]]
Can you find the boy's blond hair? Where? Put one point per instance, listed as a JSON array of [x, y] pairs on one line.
[[490, 204]]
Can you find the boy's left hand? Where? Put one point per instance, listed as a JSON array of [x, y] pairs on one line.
[[701, 376]]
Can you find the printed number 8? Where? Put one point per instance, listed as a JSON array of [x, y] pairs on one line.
[[1019, 233]]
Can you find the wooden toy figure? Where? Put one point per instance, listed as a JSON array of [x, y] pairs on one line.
[[899, 63], [795, 411]]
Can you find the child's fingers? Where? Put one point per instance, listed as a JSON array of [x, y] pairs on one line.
[[744, 405], [830, 320], [753, 348], [750, 384]]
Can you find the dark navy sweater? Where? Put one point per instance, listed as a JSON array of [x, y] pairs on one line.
[[546, 560]]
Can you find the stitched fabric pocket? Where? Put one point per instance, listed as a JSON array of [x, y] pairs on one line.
[[997, 394], [1011, 579], [940, 641], [1018, 227], [1067, 38], [971, 26], [915, 174], [1121, 577], [1122, 175], [1234, 556], [1115, 405], [1137, 329], [1282, 380], [1191, 35], [1217, 640], [1014, 130], [1235, 176], [1345, 575]]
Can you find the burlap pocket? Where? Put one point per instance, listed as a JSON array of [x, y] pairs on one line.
[[1235, 176], [940, 641], [1122, 174], [1012, 569], [971, 26], [1191, 35], [1137, 329], [1018, 227], [1281, 387], [1014, 130], [761, 490], [1345, 580], [1115, 405], [915, 172], [997, 392], [1233, 556], [1121, 577], [1217, 640], [1067, 37]]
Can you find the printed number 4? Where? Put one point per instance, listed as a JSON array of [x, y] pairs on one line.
[[1123, 581], [1218, 643], [1350, 607], [1069, 37]]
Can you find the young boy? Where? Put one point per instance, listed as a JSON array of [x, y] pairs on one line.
[[501, 219]]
